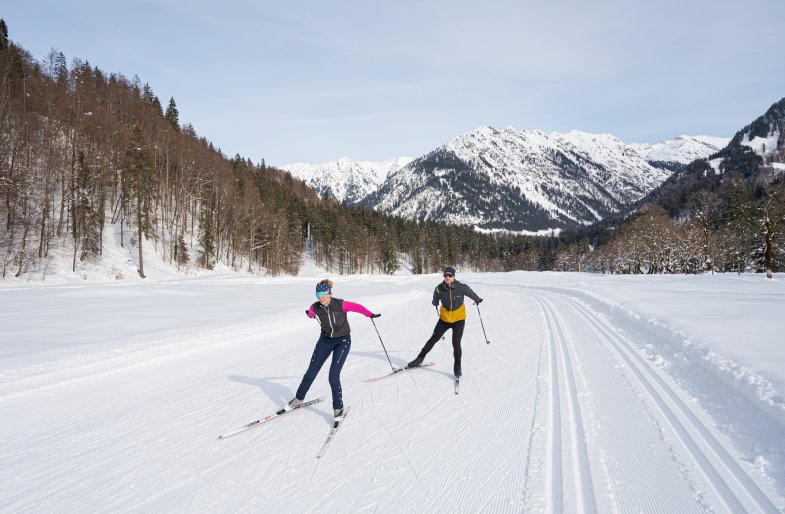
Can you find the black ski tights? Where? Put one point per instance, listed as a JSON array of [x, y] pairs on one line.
[[439, 331]]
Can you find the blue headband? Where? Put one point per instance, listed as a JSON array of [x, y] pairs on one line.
[[321, 287]]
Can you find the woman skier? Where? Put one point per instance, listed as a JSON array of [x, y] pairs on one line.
[[334, 339]]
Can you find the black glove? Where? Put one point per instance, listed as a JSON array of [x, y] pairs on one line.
[[306, 313], [375, 315], [478, 302]]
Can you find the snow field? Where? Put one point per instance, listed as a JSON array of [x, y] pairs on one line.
[[573, 407]]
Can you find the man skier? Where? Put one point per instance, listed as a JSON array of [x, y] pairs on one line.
[[452, 315]]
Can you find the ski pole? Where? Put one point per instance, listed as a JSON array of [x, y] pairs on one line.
[[315, 319], [481, 324], [380, 340]]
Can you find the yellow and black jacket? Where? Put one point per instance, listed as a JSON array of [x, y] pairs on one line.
[[453, 308]]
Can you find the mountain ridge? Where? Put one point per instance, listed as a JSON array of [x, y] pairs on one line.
[[346, 180], [511, 179]]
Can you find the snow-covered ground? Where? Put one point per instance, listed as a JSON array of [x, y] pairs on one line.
[[595, 394]]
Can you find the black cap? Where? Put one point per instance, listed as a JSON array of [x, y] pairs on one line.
[[449, 269]]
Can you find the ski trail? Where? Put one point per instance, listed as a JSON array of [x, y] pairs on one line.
[[607, 423], [555, 443], [580, 468], [580, 454], [672, 409], [561, 413]]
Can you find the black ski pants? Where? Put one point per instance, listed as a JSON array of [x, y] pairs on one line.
[[439, 331]]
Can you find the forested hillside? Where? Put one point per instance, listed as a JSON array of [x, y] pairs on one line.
[[83, 151], [725, 213]]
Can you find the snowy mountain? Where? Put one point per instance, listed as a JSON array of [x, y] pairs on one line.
[[346, 180], [520, 180], [765, 136], [756, 153], [756, 147], [680, 150], [511, 179]]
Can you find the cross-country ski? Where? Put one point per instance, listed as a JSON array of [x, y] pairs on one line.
[[333, 432], [400, 370], [264, 420]]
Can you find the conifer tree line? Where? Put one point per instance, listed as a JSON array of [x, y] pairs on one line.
[[82, 150]]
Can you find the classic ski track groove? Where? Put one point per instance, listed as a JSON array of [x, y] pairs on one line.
[[560, 360], [554, 460], [614, 440], [672, 407], [580, 454]]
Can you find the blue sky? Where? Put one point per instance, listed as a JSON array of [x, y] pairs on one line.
[[313, 81]]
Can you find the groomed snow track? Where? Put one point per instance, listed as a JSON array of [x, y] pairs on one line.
[[567, 410]]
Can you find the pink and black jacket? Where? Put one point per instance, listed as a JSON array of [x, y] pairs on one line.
[[333, 318]]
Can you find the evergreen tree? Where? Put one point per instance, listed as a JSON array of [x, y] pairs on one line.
[[172, 116], [3, 35], [147, 93], [138, 188], [740, 158], [86, 224], [207, 237], [57, 67], [180, 251]]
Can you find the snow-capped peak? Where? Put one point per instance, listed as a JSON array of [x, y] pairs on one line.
[[682, 149], [520, 180], [344, 179]]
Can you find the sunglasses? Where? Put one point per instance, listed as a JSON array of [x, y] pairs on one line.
[[447, 275], [319, 295]]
